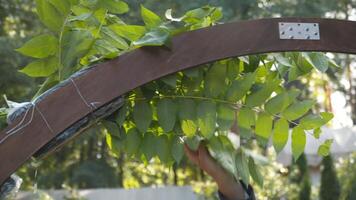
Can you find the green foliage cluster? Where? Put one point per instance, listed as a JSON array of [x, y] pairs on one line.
[[192, 106], [330, 186]]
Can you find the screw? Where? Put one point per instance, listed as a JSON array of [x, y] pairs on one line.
[[291, 29], [282, 33], [307, 29]]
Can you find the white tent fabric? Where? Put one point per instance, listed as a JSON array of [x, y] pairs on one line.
[[344, 143]]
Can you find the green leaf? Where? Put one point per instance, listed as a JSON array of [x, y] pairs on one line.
[[317, 133], [246, 117], [282, 60], [312, 121], [278, 103], [319, 61], [260, 96], [255, 172], [75, 44], [150, 18], [147, 146], [193, 142], [242, 167], [198, 15], [214, 83], [130, 32], [298, 142], [177, 149], [41, 68], [63, 6], [49, 15], [111, 127], [163, 149], [170, 80], [226, 117], [40, 46], [264, 127], [121, 117], [156, 37], [109, 141], [114, 6], [327, 116], [239, 88], [298, 109], [187, 115], [224, 155], [167, 114], [142, 115], [206, 114], [324, 149], [114, 39], [189, 127], [132, 142], [281, 133], [233, 68]]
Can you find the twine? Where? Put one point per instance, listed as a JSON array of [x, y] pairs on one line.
[[31, 109]]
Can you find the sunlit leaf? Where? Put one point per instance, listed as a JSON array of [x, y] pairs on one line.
[[298, 109], [324, 149], [49, 15], [41, 68], [280, 134], [298, 142], [187, 115], [150, 18], [40, 46], [264, 127], [206, 113]]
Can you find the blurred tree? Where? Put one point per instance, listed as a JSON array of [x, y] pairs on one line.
[[330, 187]]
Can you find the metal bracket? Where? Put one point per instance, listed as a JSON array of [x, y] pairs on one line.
[[299, 31]]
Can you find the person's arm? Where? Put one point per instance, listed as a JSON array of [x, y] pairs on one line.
[[229, 189]]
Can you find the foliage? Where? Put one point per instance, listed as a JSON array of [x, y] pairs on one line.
[[192, 105], [330, 187], [304, 181], [346, 169]]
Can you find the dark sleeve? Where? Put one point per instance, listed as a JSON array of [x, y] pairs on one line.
[[249, 193]]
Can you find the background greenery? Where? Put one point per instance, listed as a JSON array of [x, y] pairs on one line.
[[80, 159]]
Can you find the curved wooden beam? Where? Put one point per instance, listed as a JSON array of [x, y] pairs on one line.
[[106, 81]]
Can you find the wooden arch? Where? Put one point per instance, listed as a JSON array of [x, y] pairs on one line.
[[111, 79]]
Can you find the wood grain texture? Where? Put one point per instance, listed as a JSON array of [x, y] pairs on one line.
[[116, 77]]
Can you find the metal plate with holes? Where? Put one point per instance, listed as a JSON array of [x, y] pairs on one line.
[[299, 31]]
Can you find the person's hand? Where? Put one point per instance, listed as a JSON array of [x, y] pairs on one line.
[[226, 183]]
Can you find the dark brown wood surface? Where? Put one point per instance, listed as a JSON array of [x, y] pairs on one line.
[[116, 77]]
